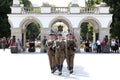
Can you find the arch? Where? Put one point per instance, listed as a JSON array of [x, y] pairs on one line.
[[23, 25], [27, 20], [92, 20], [96, 26], [60, 19]]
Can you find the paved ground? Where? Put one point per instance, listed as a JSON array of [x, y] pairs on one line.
[[34, 66]]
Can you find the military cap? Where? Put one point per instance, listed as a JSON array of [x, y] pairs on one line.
[[69, 34], [59, 34], [51, 34]]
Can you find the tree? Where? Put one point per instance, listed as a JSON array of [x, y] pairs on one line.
[[90, 3], [86, 31], [4, 10], [33, 31], [26, 3], [115, 10]]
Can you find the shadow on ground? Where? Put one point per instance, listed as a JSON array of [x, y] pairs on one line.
[[76, 75]]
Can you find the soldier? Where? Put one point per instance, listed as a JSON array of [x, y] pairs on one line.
[[70, 52], [59, 52], [51, 52], [44, 42]]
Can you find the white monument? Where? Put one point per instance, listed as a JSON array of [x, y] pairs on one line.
[[48, 16]]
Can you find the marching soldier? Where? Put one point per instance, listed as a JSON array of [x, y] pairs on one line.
[[44, 43], [59, 52], [51, 52], [70, 52]]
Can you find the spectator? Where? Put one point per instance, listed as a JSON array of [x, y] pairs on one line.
[[19, 45], [98, 46], [4, 43]]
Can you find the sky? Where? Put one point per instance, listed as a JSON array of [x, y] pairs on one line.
[[58, 3]]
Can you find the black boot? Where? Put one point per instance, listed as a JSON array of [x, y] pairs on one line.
[[60, 69], [51, 70], [71, 70], [60, 73], [54, 69]]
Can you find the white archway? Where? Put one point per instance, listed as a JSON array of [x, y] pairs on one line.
[[60, 19], [23, 25], [95, 23]]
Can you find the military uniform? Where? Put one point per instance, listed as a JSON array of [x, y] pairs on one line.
[[51, 54], [70, 53], [44, 43], [59, 53]]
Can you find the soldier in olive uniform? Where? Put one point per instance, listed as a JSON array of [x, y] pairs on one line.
[[70, 52], [59, 52], [44, 43], [51, 52]]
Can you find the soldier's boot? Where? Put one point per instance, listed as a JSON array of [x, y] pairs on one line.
[[60, 69], [54, 69], [51, 69], [60, 73], [71, 70], [68, 68]]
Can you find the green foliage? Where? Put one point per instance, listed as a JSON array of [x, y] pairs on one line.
[[98, 1], [26, 3], [4, 25], [90, 3], [4, 10], [86, 31], [115, 10], [90, 32], [33, 31]]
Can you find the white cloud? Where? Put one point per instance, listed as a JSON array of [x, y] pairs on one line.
[[58, 3]]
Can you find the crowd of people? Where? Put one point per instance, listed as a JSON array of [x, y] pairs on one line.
[[59, 49], [8, 42], [104, 46]]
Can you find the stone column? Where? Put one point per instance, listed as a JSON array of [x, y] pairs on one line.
[[94, 37], [103, 32], [76, 32], [44, 32], [24, 39]]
